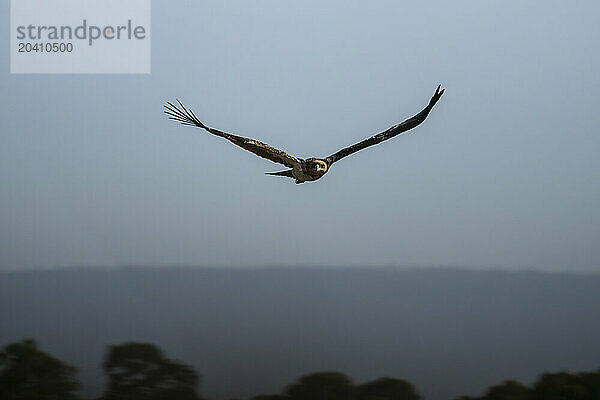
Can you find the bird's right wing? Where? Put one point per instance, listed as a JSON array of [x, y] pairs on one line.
[[187, 117], [391, 132]]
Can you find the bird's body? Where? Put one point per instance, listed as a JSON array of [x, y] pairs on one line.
[[310, 169], [302, 170]]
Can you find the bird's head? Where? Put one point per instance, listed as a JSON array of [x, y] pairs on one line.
[[321, 166], [317, 166]]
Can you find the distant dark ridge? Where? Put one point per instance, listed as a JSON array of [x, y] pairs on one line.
[[399, 268]]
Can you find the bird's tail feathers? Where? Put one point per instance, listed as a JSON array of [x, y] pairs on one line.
[[182, 114], [287, 172]]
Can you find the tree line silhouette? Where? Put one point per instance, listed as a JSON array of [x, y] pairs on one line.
[[140, 371]]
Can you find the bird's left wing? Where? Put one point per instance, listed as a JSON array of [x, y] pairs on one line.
[[390, 133], [187, 117]]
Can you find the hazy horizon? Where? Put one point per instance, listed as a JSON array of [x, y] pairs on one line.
[[357, 267]]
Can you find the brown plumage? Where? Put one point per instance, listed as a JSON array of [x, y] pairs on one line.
[[302, 170]]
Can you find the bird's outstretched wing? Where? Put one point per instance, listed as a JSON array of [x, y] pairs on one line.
[[390, 133], [187, 117]]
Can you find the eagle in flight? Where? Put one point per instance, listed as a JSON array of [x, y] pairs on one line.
[[309, 169]]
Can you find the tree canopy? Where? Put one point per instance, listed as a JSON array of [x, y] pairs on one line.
[[549, 386], [322, 386], [140, 371], [29, 373], [387, 389]]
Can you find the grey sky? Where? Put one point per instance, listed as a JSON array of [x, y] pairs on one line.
[[504, 172]]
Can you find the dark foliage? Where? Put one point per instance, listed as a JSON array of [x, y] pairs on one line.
[[322, 386], [567, 386], [387, 389], [29, 373], [549, 386], [140, 371], [508, 390]]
